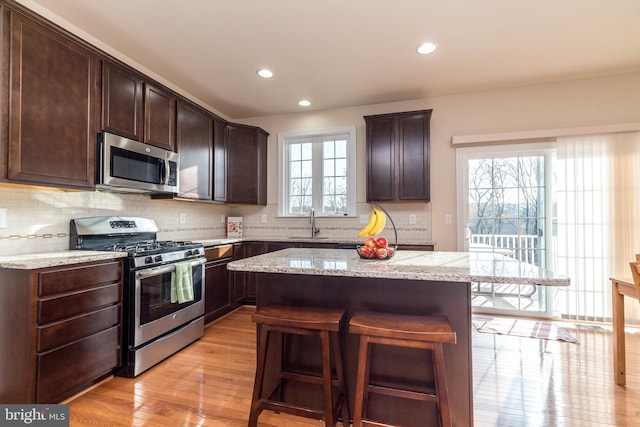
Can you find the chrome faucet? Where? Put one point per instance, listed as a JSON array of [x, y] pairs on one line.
[[312, 218]]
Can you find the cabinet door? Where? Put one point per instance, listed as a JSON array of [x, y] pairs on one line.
[[218, 292], [122, 112], [195, 139], [246, 165], [238, 278], [413, 157], [219, 161], [159, 117], [53, 91], [381, 165]]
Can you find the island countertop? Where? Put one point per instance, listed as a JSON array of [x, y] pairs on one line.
[[406, 265]]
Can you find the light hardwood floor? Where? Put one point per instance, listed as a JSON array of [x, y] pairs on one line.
[[517, 382]]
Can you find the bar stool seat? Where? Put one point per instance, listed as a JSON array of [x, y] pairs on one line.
[[320, 322], [423, 332]]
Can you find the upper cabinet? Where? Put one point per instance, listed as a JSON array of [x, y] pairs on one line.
[[398, 156], [135, 108], [51, 100], [195, 144], [122, 112], [246, 165]]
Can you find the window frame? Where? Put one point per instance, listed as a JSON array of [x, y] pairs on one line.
[[287, 137]]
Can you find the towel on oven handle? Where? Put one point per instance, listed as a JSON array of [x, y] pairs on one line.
[[182, 283]]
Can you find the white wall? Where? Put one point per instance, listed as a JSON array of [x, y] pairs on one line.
[[569, 104]]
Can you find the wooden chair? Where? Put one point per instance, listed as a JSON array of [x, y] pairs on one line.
[[423, 332], [320, 322]]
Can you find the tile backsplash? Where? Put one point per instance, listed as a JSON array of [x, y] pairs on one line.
[[38, 220]]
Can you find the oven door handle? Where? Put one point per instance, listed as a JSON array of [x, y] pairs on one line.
[[156, 271]]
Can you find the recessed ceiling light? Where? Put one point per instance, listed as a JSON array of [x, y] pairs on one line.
[[304, 103], [266, 73], [426, 48]]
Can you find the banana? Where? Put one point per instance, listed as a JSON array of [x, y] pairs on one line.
[[372, 222], [380, 222]]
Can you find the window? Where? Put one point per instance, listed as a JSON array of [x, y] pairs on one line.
[[317, 170]]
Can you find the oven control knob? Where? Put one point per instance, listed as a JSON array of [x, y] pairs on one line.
[[188, 253], [148, 260], [196, 251], [158, 258]]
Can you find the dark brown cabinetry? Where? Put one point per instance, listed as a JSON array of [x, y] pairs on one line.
[[218, 286], [244, 285], [246, 165], [135, 108], [220, 161], [65, 333], [51, 99], [122, 95], [195, 144], [159, 117], [398, 156]]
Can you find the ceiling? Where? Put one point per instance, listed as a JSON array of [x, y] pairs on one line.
[[341, 53]]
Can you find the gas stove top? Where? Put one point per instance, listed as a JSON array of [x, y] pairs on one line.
[[136, 236]]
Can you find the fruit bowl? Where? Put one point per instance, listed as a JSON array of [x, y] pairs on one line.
[[367, 252]]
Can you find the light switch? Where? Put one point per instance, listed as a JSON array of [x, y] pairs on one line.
[[183, 218], [412, 219], [3, 218], [263, 219], [448, 218]]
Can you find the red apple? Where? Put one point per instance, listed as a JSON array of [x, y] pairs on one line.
[[381, 253], [370, 242], [366, 252], [382, 242]]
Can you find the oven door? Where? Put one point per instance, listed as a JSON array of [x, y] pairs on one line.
[[155, 314]]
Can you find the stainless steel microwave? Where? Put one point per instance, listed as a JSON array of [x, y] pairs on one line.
[[126, 165]]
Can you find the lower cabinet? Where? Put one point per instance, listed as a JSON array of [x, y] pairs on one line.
[[244, 284], [218, 294], [66, 330]]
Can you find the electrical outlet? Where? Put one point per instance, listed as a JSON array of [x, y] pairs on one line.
[[412, 219], [364, 219], [448, 218], [263, 219], [183, 218], [3, 218]]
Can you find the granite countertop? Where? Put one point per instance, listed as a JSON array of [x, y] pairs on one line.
[[327, 240], [55, 259], [407, 265]]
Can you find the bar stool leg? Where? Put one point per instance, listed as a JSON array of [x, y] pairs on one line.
[[257, 384], [341, 380], [362, 382], [326, 379], [441, 386]]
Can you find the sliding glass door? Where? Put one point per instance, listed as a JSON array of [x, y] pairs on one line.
[[505, 207]]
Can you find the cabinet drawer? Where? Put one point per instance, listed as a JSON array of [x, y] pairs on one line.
[[76, 328], [65, 371], [218, 252], [70, 279], [81, 302]]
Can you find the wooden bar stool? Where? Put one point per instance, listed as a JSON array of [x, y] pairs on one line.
[[404, 331], [320, 322]]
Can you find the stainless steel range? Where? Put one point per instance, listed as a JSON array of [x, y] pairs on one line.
[[163, 301]]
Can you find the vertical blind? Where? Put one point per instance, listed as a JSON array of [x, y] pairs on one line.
[[597, 221]]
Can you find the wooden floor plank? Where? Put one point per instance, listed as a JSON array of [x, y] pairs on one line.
[[517, 382]]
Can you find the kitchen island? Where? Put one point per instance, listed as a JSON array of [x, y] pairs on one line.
[[412, 282]]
